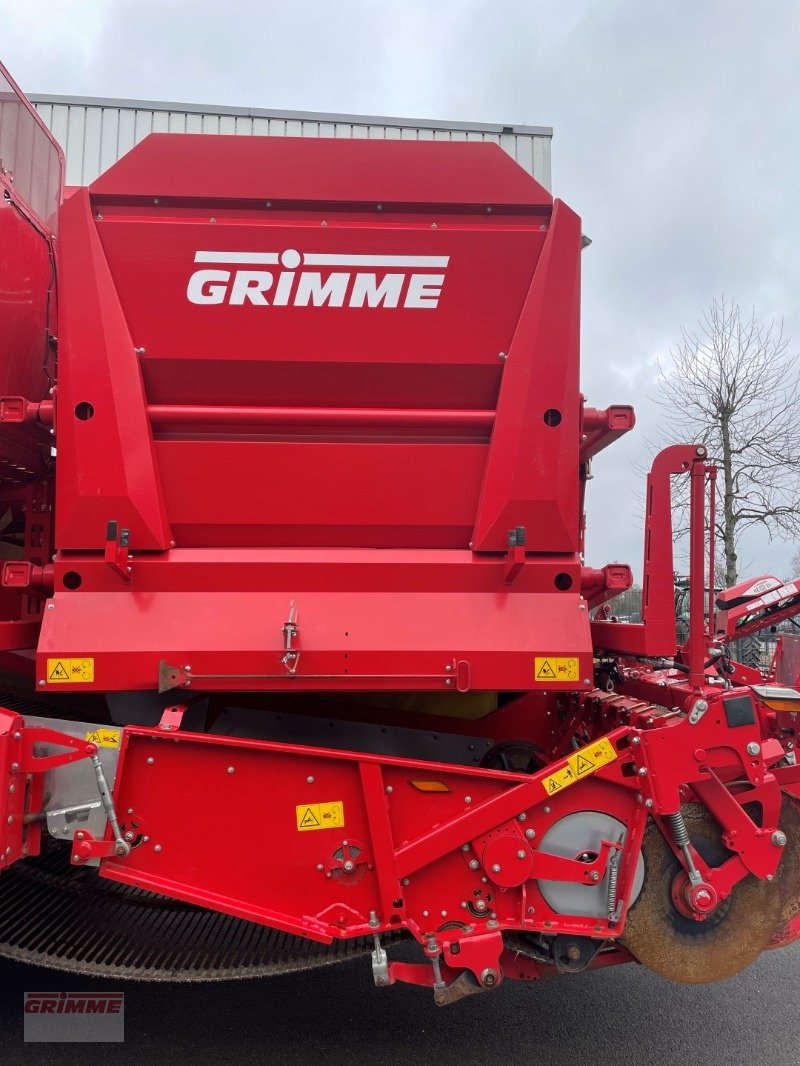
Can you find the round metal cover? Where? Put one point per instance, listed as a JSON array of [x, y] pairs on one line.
[[574, 835]]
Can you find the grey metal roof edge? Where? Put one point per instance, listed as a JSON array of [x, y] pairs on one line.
[[303, 116]]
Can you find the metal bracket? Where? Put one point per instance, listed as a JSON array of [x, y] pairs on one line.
[[290, 630], [117, 555]]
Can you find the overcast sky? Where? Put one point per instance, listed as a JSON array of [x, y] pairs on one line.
[[677, 138]]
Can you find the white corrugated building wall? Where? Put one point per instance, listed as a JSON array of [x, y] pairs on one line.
[[95, 132]]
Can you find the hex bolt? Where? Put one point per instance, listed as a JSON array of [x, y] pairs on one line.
[[595, 876], [150, 760], [405, 882], [779, 838], [348, 866], [309, 780], [530, 833], [480, 905], [468, 799], [648, 802], [642, 771], [129, 836], [488, 978], [444, 914], [389, 790], [465, 847], [753, 748], [521, 854], [546, 810], [496, 868], [130, 810], [156, 847], [474, 864], [425, 914], [231, 769], [522, 817], [636, 740]]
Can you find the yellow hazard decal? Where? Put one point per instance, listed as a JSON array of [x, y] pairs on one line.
[[555, 668], [104, 738], [66, 671], [582, 764], [319, 816]]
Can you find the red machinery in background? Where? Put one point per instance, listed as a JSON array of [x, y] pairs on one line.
[[297, 625]]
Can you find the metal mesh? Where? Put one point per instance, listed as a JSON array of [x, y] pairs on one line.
[[28, 158]]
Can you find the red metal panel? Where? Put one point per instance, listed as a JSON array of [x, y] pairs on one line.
[[443, 355], [106, 462], [531, 471], [348, 639], [192, 166], [373, 495]]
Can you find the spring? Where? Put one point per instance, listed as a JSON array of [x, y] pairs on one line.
[[613, 877], [678, 827]]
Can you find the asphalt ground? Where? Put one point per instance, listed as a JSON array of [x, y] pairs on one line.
[[621, 1015]]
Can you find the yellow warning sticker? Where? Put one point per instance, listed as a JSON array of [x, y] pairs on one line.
[[555, 668], [319, 816], [104, 738], [66, 671], [582, 764]]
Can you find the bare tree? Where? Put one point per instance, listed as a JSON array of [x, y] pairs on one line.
[[795, 565], [732, 384]]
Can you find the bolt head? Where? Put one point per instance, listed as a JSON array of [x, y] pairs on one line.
[[231, 769], [521, 854], [465, 847], [779, 838], [480, 905], [309, 779], [753, 748], [156, 847], [348, 866], [530, 833], [595, 875], [642, 771], [522, 817], [636, 740], [474, 864], [389, 790], [468, 799], [150, 760], [129, 836], [496, 868], [648, 802]]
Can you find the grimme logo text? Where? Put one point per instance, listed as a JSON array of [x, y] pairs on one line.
[[317, 279], [73, 1003]]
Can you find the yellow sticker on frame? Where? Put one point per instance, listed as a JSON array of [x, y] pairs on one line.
[[319, 816], [70, 671], [104, 738], [581, 764], [550, 668]]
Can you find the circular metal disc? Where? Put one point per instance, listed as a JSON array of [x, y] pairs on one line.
[[733, 935], [574, 835]]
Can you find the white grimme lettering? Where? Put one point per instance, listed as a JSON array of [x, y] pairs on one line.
[[424, 290], [250, 286], [307, 288], [310, 287], [208, 286], [367, 290]]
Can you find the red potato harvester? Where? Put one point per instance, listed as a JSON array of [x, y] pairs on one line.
[[300, 655]]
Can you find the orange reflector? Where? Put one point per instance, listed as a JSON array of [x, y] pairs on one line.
[[430, 786]]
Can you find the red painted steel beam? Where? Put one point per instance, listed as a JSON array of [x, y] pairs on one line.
[[172, 415]]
